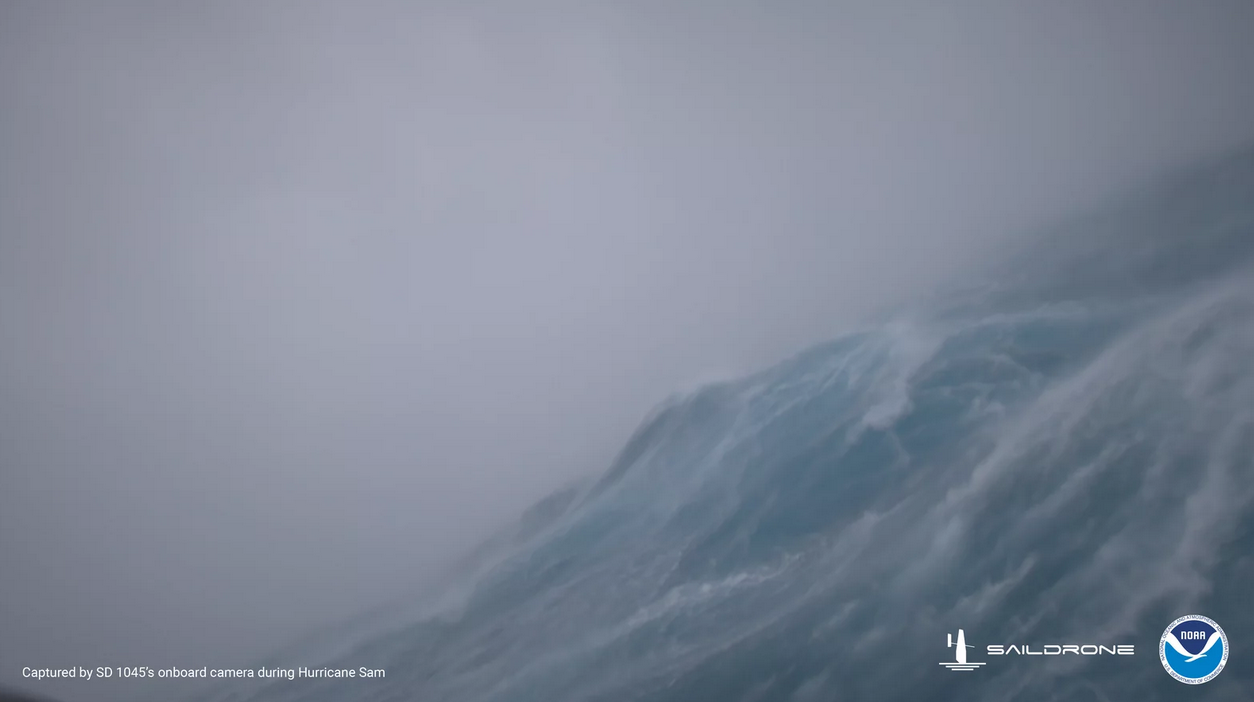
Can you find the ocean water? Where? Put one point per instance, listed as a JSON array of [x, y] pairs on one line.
[[1057, 451]]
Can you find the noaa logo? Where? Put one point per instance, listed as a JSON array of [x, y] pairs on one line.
[[1193, 649]]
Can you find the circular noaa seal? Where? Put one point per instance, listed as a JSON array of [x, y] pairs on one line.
[[1193, 649]]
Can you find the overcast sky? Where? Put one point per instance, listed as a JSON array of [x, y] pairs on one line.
[[299, 299]]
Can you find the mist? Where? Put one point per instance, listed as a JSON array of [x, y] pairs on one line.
[[299, 301]]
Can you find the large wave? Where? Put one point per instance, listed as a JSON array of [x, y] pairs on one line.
[[1059, 451]]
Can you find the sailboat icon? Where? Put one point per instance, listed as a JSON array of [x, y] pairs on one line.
[[960, 655]]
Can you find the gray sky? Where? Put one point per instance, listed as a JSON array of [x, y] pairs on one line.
[[299, 299]]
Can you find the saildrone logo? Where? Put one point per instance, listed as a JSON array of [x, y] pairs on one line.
[[960, 647], [1193, 649]]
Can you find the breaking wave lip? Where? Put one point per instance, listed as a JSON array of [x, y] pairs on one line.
[[1055, 450]]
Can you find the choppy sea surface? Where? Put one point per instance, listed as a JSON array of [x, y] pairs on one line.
[[1060, 450]]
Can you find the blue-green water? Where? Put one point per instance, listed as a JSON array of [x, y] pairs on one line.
[[1061, 451]]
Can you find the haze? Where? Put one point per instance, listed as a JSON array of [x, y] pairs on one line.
[[298, 301]]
